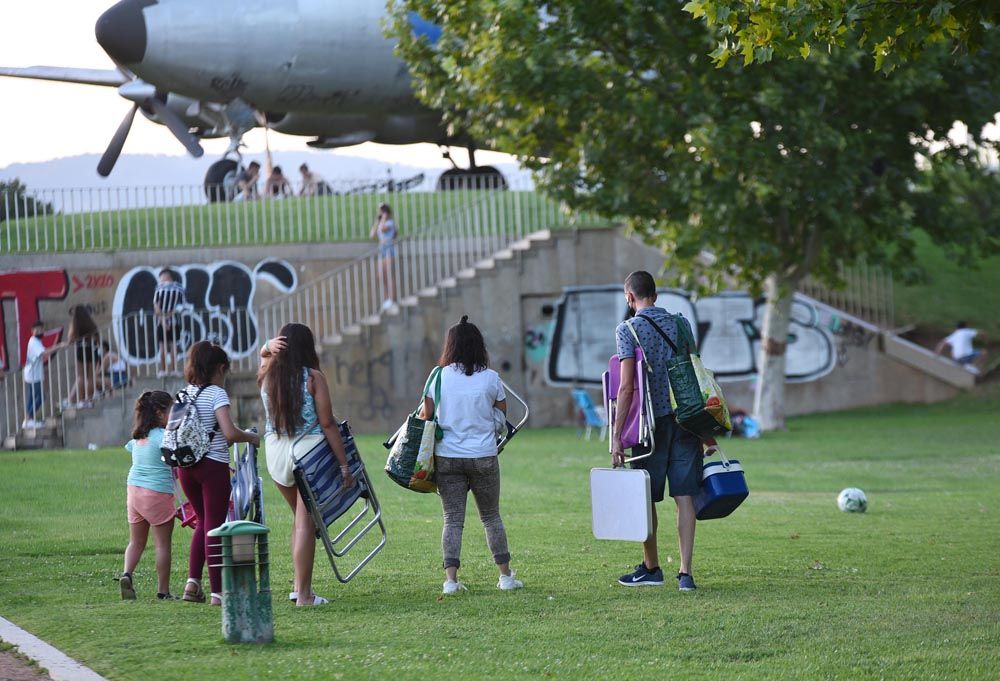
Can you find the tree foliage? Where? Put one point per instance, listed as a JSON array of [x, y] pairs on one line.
[[893, 31], [793, 168], [780, 171], [15, 200]]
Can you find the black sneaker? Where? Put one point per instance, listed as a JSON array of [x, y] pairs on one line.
[[642, 576], [685, 582], [166, 597]]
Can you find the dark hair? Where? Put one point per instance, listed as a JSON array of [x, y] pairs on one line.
[[384, 208], [464, 345], [960, 325], [148, 408], [282, 380], [303, 167], [81, 324], [105, 346], [641, 284], [170, 273], [203, 360], [38, 323], [254, 164], [276, 170]]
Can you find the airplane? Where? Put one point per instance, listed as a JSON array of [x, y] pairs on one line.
[[315, 68]]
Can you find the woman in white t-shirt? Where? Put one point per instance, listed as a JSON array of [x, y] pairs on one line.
[[466, 457], [206, 484]]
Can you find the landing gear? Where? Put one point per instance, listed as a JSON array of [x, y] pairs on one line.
[[473, 177], [220, 180]]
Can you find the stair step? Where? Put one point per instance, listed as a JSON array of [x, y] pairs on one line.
[[372, 320], [428, 292], [541, 235], [487, 264], [450, 282], [353, 330], [506, 254], [520, 245], [410, 301], [468, 273], [334, 339]]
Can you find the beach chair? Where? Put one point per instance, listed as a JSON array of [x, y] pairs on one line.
[[515, 405], [592, 416], [640, 423], [246, 502], [318, 477]]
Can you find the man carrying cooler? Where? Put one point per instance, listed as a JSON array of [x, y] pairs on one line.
[[677, 453]]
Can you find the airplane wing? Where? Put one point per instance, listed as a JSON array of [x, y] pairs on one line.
[[106, 77]]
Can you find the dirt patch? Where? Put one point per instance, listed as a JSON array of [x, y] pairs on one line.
[[14, 668]]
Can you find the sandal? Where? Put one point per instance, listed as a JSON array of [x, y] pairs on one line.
[[195, 595], [128, 591], [317, 600], [216, 599]]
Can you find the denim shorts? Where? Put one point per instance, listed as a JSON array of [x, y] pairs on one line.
[[676, 459]]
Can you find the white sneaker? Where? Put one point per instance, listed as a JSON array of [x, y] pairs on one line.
[[508, 583], [161, 373], [452, 587], [27, 423], [387, 304]]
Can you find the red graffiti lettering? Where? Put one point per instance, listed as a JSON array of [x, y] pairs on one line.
[[92, 281], [27, 288]]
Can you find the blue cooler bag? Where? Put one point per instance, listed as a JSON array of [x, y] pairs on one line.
[[723, 488]]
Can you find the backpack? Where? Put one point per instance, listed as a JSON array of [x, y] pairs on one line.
[[185, 442]]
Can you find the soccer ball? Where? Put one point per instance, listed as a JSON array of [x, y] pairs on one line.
[[852, 500]]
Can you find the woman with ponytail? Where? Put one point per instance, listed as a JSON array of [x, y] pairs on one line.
[[297, 404], [466, 457]]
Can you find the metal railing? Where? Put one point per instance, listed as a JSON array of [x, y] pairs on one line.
[[344, 299], [114, 218], [867, 294], [80, 375]]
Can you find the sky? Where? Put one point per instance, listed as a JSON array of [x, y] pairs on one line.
[[43, 120]]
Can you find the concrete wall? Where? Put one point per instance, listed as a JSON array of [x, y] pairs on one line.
[[376, 376]]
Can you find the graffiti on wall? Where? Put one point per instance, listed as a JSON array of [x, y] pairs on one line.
[[220, 306], [27, 288], [726, 327]]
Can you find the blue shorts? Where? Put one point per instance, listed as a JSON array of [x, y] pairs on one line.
[[387, 250], [969, 359], [677, 459]]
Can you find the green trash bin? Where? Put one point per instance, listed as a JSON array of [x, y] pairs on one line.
[[246, 610]]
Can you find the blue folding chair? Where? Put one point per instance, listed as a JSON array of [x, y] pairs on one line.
[[318, 477], [592, 417]]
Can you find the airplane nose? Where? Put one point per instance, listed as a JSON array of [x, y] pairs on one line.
[[121, 31]]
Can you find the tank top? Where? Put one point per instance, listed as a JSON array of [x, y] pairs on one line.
[[307, 416]]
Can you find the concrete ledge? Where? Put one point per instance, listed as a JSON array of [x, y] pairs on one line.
[[923, 359], [60, 666]]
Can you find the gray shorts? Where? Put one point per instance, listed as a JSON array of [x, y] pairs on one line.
[[676, 460]]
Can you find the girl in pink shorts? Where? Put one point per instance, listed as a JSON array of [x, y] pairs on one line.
[[150, 493]]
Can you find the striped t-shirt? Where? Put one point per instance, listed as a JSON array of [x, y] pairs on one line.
[[168, 296], [211, 398]]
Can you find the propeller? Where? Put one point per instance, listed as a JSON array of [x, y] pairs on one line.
[[144, 95]]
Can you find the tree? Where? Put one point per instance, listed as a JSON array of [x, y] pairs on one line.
[[894, 31], [15, 201], [781, 171]]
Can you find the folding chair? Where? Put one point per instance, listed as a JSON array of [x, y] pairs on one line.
[[318, 477], [246, 502], [592, 417], [509, 430]]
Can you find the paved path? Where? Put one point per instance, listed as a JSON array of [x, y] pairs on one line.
[[58, 665]]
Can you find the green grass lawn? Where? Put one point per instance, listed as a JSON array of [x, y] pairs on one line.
[[345, 217], [951, 293], [789, 587]]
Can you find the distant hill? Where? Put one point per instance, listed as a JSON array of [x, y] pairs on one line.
[[51, 178]]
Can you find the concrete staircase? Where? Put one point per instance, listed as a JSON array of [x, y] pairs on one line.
[[47, 437]]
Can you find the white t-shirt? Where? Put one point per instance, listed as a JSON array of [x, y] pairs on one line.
[[960, 341], [466, 412], [34, 368], [212, 397]]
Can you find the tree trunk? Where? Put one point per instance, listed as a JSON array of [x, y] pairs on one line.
[[769, 396]]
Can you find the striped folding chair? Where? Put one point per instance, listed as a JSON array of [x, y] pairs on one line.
[[318, 477]]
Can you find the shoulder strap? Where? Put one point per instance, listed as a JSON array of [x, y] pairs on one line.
[[660, 331], [638, 343], [434, 377], [211, 433]]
